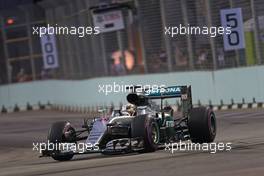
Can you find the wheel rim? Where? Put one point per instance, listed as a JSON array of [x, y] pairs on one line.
[[212, 123], [154, 134], [69, 134]]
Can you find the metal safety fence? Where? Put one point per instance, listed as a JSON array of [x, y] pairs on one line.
[[140, 47]]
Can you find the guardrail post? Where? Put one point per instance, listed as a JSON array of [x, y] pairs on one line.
[[256, 32]]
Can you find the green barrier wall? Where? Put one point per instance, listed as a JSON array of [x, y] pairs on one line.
[[223, 85]]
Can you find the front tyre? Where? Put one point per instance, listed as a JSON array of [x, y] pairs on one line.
[[61, 132], [151, 135], [202, 125], [146, 128]]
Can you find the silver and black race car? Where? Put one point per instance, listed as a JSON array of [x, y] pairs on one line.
[[140, 126]]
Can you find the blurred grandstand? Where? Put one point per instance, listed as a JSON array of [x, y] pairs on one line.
[[140, 48]]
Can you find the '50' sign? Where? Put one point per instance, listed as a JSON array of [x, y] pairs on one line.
[[49, 51], [233, 18]]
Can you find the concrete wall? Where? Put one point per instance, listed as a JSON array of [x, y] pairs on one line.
[[223, 84]]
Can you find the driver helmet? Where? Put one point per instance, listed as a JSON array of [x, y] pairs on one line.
[[128, 109]]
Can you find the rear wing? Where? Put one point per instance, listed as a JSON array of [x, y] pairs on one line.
[[182, 92], [169, 92], [140, 98]]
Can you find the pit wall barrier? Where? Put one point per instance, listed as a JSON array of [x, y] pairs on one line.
[[222, 87]]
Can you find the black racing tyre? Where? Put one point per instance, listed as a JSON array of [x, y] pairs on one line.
[[202, 125], [147, 128], [151, 136], [61, 132]]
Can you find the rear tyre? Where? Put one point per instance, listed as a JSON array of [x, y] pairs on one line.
[[61, 132], [202, 125]]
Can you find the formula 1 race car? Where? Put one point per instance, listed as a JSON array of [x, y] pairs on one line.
[[140, 127]]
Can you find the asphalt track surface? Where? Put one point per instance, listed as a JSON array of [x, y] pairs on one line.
[[243, 128]]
